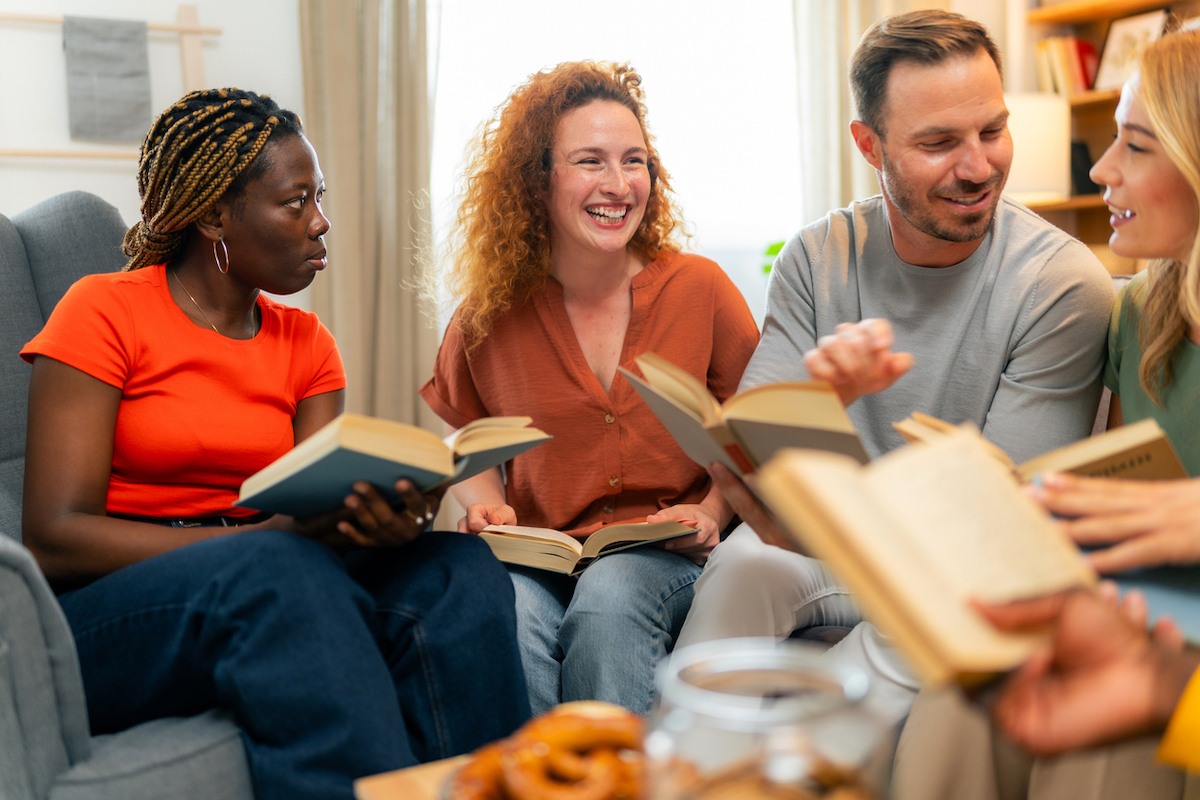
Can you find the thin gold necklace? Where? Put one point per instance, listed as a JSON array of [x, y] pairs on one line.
[[175, 272]]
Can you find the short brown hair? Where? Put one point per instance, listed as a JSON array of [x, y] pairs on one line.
[[926, 37]]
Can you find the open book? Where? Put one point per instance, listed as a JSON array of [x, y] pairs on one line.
[[1138, 451], [552, 550], [916, 535], [319, 472], [748, 429]]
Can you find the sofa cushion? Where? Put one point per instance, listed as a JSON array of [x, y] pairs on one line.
[[45, 724], [179, 758], [66, 237], [43, 250], [20, 319]]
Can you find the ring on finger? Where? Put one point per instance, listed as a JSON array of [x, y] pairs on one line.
[[419, 519]]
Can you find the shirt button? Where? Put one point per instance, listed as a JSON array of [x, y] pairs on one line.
[[610, 419], [608, 509], [614, 480]]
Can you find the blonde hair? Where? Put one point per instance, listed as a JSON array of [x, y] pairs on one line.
[[499, 252], [1170, 92]]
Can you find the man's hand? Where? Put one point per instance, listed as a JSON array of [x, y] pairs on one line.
[[747, 506], [1103, 679], [857, 359], [1145, 523], [480, 515]]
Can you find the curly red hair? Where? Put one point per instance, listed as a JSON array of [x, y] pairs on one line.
[[500, 244]]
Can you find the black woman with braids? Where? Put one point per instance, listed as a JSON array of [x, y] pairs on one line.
[[343, 645]]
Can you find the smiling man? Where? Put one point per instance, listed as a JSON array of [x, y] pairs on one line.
[[938, 295]]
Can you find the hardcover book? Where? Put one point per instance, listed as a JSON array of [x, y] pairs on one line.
[[749, 427], [319, 473]]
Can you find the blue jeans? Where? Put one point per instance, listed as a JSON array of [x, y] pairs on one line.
[[334, 667], [599, 637]]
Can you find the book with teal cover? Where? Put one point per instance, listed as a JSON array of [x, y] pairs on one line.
[[319, 473]]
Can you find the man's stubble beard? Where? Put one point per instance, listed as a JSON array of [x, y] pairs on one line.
[[967, 228]]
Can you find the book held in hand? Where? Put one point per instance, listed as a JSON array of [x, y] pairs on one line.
[[917, 535], [749, 427], [318, 474], [548, 549], [1140, 451]]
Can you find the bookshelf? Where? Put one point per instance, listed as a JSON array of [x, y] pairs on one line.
[[1086, 216]]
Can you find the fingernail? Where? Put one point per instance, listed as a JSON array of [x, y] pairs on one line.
[[1052, 480]]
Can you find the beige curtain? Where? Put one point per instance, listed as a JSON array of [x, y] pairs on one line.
[[832, 173], [367, 114]]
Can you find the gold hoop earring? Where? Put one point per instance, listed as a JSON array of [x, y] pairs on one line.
[[217, 258]]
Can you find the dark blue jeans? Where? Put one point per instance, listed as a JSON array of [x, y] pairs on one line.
[[334, 667]]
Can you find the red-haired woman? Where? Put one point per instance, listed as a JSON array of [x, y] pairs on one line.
[[566, 263]]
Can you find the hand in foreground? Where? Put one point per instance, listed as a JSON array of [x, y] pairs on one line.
[[751, 511], [480, 515], [1103, 679], [857, 359], [696, 546], [1133, 607], [1146, 523], [369, 521]]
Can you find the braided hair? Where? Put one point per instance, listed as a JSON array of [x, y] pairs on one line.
[[204, 147]]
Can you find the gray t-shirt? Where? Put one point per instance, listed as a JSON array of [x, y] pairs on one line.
[[1011, 339]]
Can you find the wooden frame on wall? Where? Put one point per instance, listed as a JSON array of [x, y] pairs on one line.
[[191, 34]]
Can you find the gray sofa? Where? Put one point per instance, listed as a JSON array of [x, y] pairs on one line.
[[46, 749]]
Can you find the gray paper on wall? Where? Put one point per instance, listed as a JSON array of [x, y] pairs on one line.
[[108, 79]]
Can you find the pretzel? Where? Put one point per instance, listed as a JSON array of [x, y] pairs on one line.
[[480, 778], [583, 732], [580, 751], [530, 774]]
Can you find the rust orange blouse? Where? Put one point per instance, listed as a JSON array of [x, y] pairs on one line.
[[610, 458]]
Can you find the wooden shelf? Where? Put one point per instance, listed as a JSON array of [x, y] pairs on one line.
[[1079, 201], [1095, 98], [196, 29], [1075, 11], [17, 152]]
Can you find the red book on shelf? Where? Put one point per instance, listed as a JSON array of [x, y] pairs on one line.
[[1089, 61]]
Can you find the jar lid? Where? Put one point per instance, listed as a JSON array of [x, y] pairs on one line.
[[751, 683]]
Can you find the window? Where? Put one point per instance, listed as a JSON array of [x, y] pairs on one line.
[[720, 82]]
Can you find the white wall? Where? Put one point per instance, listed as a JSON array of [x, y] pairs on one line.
[[259, 49]]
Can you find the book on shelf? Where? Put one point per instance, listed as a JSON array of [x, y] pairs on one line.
[[1140, 451], [1065, 64], [749, 427], [920, 533], [1089, 61], [317, 474], [548, 549], [1081, 169]]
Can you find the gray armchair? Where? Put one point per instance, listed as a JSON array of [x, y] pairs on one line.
[[46, 750]]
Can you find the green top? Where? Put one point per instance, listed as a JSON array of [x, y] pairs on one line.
[[1180, 415]]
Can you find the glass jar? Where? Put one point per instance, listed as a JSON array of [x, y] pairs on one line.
[[756, 718]]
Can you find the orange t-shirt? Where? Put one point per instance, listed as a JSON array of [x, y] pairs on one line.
[[199, 412], [610, 458]]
